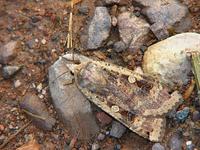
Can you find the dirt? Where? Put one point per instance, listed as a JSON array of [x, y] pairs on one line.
[[36, 20]]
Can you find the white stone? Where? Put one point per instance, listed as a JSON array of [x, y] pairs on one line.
[[168, 59], [17, 84]]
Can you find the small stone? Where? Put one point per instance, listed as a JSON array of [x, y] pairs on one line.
[[32, 104], [112, 1], [17, 84], [9, 71], [83, 9], [43, 41], [117, 129], [103, 118], [196, 116], [39, 87], [119, 46], [182, 115], [101, 137], [8, 52], [158, 146], [133, 30], [99, 29], [31, 44], [189, 145], [2, 127], [36, 40], [95, 146], [176, 141], [35, 19], [117, 147], [114, 21]]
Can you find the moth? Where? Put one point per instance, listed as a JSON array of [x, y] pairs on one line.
[[138, 101]]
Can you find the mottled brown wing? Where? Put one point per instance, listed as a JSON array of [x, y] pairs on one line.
[[144, 97]]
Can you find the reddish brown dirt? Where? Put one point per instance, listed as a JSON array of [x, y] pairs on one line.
[[17, 22]]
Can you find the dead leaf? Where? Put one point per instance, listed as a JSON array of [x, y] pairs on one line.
[[189, 90], [31, 145]]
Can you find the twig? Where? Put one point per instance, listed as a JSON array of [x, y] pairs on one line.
[[33, 115], [14, 135]]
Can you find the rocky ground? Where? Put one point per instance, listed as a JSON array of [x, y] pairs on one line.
[[33, 34]]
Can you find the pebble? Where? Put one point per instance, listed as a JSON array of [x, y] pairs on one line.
[[158, 146], [189, 145], [95, 146], [43, 41], [9, 71], [101, 137], [17, 84], [1, 127], [114, 21], [117, 147], [8, 52], [103, 118], [99, 28], [182, 115], [176, 141], [83, 9], [117, 129], [39, 87], [31, 44], [119, 46], [2, 138], [196, 116]]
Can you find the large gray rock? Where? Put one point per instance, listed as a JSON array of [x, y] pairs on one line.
[[133, 30], [166, 15], [99, 28], [70, 104], [168, 59]]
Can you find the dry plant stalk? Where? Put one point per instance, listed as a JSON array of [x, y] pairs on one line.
[[196, 69]]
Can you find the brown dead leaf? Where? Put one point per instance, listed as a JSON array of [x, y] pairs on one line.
[[189, 90], [31, 145]]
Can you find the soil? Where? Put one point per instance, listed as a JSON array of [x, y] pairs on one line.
[[33, 21]]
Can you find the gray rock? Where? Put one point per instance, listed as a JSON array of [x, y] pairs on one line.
[[101, 137], [112, 1], [31, 44], [95, 146], [99, 28], [73, 108], [176, 141], [84, 9], [9, 71], [119, 46], [158, 146], [165, 15], [37, 111], [168, 59], [8, 52], [117, 129], [133, 30], [196, 115]]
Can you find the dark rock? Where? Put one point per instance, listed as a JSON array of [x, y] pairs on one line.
[[119, 46], [176, 141], [31, 44], [73, 108], [103, 118], [99, 28], [117, 129], [117, 147], [196, 116], [83, 9], [133, 30], [166, 15], [158, 146], [8, 52], [35, 19], [9, 71], [37, 111]]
